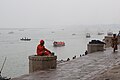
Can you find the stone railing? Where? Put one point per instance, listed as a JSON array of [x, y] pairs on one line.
[[95, 45], [37, 63]]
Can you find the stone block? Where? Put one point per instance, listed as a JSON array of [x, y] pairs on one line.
[[95, 47], [37, 63]]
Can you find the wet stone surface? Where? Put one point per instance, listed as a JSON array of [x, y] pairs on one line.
[[82, 68]]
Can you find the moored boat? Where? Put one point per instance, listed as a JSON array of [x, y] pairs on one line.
[[100, 33], [10, 32], [58, 44], [87, 35], [110, 33], [25, 39]]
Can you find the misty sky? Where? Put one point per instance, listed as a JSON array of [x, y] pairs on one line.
[[37, 13]]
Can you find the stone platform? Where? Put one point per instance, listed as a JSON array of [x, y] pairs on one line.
[[82, 68], [37, 63]]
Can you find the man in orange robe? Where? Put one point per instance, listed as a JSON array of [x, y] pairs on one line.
[[41, 50]]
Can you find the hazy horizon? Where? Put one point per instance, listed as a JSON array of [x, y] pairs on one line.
[[49, 13]]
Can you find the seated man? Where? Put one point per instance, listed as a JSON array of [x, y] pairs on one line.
[[41, 50]]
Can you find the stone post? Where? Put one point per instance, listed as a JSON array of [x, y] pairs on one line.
[[95, 47], [37, 63]]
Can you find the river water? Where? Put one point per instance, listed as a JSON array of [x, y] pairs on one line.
[[17, 51]]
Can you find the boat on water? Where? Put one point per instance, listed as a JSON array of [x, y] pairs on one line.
[[88, 35], [10, 32], [100, 33], [73, 34], [58, 44], [25, 39], [110, 33]]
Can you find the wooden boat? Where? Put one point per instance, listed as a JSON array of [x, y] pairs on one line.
[[58, 44], [25, 39], [100, 33], [110, 33], [73, 34], [87, 35], [10, 32]]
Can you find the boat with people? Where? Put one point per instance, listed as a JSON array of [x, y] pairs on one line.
[[88, 35], [25, 39], [58, 44]]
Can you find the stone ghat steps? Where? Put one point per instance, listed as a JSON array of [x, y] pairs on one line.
[[82, 68]]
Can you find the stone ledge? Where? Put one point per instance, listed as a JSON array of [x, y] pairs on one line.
[[37, 63], [42, 58]]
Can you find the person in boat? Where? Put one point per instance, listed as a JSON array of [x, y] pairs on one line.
[[42, 51], [58, 43], [114, 42]]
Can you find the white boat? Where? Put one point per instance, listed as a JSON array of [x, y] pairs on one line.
[[88, 35], [110, 33], [25, 39]]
